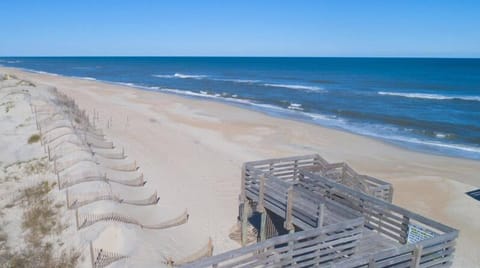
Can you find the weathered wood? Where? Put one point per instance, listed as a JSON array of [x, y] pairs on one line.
[[288, 211], [244, 223], [320, 215]]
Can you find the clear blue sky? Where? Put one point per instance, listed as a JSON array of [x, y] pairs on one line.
[[420, 28]]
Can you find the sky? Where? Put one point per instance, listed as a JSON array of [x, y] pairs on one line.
[[358, 28]]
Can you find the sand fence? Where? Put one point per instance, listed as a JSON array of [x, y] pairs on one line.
[[81, 154]]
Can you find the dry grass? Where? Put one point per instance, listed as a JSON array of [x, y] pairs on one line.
[[42, 257], [34, 138], [40, 219]]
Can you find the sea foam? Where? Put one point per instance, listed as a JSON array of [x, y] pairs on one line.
[[430, 96], [297, 87], [181, 76]]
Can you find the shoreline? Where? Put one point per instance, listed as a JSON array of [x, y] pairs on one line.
[[192, 151], [408, 144]]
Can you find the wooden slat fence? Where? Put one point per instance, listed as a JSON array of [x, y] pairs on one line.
[[288, 169], [388, 220], [313, 247], [86, 220]]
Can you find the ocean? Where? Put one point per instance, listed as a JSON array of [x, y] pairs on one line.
[[428, 105]]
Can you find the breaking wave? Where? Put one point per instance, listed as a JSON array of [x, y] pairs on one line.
[[430, 96]]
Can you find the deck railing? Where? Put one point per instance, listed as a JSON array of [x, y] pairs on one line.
[[388, 220], [314, 247], [288, 169]]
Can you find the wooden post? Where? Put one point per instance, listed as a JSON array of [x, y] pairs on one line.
[[320, 215], [68, 199], [295, 170], [288, 221], [245, 211], [76, 218], [371, 263], [261, 208], [288, 212], [58, 181], [92, 257], [49, 156], [417, 255], [243, 182], [36, 120], [405, 227]]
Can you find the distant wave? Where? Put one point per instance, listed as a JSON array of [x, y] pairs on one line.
[[197, 76], [41, 72], [11, 61], [180, 75], [129, 84], [295, 106], [298, 87], [430, 96], [243, 81], [88, 78]]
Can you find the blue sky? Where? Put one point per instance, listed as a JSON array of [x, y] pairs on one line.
[[418, 28]]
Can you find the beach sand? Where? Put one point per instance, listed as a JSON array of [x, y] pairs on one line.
[[191, 152]]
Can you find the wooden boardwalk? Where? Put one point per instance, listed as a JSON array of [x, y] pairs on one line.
[[332, 217]]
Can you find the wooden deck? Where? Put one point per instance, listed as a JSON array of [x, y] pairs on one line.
[[317, 202]]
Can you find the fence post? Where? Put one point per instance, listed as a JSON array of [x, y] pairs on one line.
[[76, 218], [68, 199], [92, 257]]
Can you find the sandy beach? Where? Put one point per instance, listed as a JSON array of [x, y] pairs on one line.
[[191, 152]]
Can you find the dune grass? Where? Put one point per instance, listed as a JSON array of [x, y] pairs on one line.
[[34, 138], [40, 219]]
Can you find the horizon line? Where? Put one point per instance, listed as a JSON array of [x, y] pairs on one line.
[[233, 56]]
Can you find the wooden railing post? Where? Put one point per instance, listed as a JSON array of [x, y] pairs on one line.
[[320, 215], [244, 228], [288, 212], [288, 224], [261, 208], [243, 194], [417, 255], [295, 170], [405, 227]]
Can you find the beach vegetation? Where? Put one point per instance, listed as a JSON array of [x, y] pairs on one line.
[[40, 219], [8, 106], [34, 138]]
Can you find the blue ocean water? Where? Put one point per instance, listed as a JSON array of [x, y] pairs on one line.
[[431, 105]]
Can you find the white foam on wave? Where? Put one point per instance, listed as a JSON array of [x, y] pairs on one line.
[[181, 76], [128, 84], [41, 72], [295, 106], [430, 96], [88, 78], [163, 75], [297, 87], [241, 81]]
